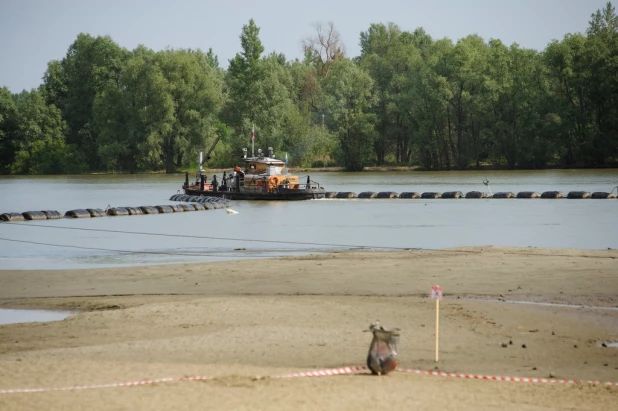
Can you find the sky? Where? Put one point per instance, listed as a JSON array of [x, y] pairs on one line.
[[34, 32]]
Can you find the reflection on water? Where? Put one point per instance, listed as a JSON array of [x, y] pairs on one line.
[[271, 229], [13, 316]]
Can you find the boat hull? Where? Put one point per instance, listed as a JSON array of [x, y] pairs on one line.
[[280, 195]]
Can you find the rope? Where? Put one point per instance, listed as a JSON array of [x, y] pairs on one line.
[[353, 246], [200, 254], [210, 237]]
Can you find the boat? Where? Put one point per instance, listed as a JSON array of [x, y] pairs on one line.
[[261, 177]]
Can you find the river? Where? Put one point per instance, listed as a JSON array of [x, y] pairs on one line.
[[270, 229]]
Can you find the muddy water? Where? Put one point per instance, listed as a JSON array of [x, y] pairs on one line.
[[267, 229]]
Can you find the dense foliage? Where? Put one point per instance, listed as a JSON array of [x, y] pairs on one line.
[[407, 99]]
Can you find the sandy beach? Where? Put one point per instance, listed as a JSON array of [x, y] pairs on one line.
[[524, 312]]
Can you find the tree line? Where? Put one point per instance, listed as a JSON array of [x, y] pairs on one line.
[[408, 99]]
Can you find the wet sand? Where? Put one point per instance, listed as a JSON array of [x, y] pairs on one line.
[[237, 320]]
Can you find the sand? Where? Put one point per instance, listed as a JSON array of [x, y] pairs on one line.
[[234, 321]]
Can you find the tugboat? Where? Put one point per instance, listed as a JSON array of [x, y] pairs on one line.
[[261, 178]]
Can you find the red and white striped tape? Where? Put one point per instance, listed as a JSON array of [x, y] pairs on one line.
[[324, 373], [502, 378], [313, 373], [110, 385]]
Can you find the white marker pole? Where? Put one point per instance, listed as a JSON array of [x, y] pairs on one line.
[[437, 326], [436, 294]]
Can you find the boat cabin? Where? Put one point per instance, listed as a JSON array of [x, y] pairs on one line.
[[266, 173], [264, 165]]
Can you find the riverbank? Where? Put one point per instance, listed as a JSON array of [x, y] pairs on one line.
[[339, 169], [237, 320]]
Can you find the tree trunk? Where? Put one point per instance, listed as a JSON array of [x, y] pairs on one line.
[[168, 152], [460, 140]]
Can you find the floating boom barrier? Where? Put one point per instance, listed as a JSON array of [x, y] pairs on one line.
[[195, 204], [471, 194]]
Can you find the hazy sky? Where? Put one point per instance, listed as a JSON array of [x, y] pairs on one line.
[[33, 32]]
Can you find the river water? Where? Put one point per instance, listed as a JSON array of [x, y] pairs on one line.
[[268, 229], [13, 316]]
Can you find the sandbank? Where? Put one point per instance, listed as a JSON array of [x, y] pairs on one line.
[[234, 321]]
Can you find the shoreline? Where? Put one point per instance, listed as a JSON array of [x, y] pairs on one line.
[[374, 168], [506, 267], [235, 320]]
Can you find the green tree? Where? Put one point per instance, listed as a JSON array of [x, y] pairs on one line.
[[426, 100], [8, 127], [259, 94], [305, 137], [162, 108], [565, 65], [195, 88], [604, 23], [600, 63], [466, 81], [73, 83], [133, 114], [406, 98], [388, 56], [40, 137], [244, 76], [348, 100], [513, 92]]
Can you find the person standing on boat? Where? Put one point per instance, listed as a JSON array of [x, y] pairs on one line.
[[214, 183], [239, 171], [236, 176], [224, 182], [232, 177]]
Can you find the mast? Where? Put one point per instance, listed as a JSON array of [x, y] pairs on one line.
[[253, 140]]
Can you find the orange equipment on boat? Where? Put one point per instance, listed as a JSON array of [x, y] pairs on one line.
[[273, 182]]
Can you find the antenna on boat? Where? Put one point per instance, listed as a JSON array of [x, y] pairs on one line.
[[200, 160], [253, 140]]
